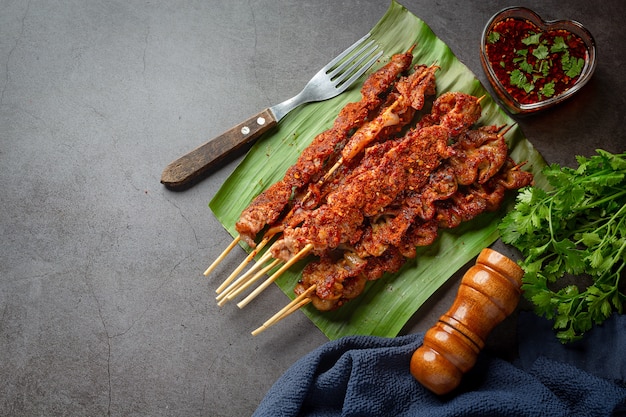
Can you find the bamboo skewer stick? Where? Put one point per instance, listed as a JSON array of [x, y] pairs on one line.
[[296, 307], [384, 112], [275, 276], [297, 303], [236, 240], [340, 161], [325, 178], [233, 286], [223, 255], [245, 285], [242, 279], [273, 231], [242, 265]]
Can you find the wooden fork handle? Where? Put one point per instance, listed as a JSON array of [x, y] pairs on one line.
[[192, 167]]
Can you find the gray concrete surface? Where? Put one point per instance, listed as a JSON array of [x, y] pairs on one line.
[[103, 307]]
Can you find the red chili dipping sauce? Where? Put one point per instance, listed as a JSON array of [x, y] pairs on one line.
[[534, 65]]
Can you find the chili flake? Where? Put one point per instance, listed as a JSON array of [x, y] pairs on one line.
[[534, 65]]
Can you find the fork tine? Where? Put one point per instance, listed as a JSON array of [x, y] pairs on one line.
[[332, 70], [357, 69], [182, 172], [342, 55]]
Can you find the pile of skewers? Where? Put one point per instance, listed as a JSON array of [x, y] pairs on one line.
[[368, 191]]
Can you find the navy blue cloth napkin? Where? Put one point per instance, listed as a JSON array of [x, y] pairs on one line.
[[369, 376]]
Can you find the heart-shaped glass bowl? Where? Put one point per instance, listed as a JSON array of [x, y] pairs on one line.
[[503, 88]]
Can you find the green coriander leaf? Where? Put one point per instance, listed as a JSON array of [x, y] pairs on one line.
[[617, 302], [606, 309], [561, 321], [596, 259], [569, 201], [590, 239], [574, 259], [583, 162], [525, 197], [617, 162], [553, 269], [531, 271], [570, 291], [537, 251], [541, 52], [612, 179], [526, 67], [542, 302], [576, 68], [493, 37], [518, 79], [532, 39], [572, 66], [607, 264], [557, 176], [567, 336], [559, 45], [583, 322], [548, 89], [509, 231], [564, 308]]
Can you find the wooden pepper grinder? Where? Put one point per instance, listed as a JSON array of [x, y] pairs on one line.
[[489, 292]]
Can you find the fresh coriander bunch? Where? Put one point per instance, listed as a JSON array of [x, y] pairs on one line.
[[577, 227]]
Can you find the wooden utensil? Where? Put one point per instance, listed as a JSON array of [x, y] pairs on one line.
[[333, 79]]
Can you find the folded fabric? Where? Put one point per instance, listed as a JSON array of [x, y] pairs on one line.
[[602, 352], [369, 376]]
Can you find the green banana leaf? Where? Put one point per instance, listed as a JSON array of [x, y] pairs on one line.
[[388, 303]]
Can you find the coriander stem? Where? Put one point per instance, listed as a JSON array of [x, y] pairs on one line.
[[616, 258], [602, 201], [550, 220]]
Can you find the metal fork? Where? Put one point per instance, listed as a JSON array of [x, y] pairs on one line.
[[330, 81]]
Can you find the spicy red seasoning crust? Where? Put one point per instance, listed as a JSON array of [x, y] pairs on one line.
[[534, 65], [269, 205], [381, 182]]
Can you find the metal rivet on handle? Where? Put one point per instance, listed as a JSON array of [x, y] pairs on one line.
[[245, 130], [260, 121]]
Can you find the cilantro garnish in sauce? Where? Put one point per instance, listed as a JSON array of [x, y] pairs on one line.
[[534, 65]]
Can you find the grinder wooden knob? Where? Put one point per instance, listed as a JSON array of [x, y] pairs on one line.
[[489, 292]]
